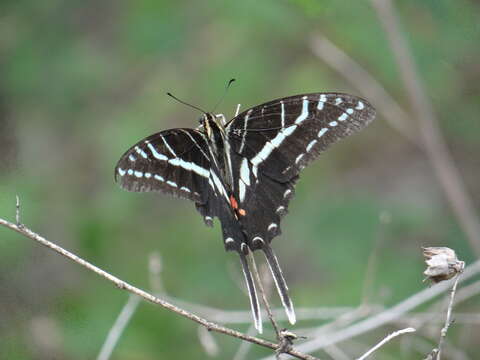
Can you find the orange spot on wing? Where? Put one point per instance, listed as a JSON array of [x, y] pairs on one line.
[[242, 212], [233, 202]]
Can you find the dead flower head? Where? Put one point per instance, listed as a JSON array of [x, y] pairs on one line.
[[442, 263]]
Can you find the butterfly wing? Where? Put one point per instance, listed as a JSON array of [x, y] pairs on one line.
[[173, 161], [271, 143]]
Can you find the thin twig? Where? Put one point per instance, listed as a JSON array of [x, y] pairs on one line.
[[154, 268], [23, 230], [264, 296], [17, 211], [118, 327], [432, 138], [336, 353], [448, 321], [208, 342], [385, 340], [244, 346], [387, 316]]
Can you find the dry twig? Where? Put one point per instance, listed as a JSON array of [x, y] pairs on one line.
[[387, 316], [211, 326], [385, 340], [436, 353], [118, 327], [432, 138]]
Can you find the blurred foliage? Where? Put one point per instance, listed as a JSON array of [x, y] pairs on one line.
[[82, 81]]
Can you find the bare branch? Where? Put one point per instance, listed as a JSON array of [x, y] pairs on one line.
[[211, 326], [385, 340], [448, 321], [386, 316], [434, 143]]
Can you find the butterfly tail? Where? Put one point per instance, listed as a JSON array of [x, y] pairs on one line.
[[252, 293], [282, 287]]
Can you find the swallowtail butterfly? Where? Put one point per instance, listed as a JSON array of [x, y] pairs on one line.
[[243, 171]]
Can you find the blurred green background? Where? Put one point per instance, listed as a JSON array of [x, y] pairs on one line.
[[80, 82]]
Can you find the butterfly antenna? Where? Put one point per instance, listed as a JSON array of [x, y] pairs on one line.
[[252, 293], [282, 287], [224, 94], [185, 103]]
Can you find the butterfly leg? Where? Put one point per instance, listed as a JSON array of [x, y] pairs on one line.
[[252, 292], [282, 287]]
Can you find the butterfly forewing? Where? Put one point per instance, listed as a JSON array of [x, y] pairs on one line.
[[173, 161], [280, 137]]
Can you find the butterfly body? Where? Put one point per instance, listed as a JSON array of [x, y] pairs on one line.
[[243, 172]]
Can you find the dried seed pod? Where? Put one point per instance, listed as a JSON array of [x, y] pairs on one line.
[[442, 263]]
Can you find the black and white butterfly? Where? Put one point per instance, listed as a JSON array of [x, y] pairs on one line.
[[243, 172]]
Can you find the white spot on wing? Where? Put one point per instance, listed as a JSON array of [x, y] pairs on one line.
[[148, 175], [141, 152], [131, 157], [245, 172], [189, 166], [227, 240], [322, 131], [360, 106], [155, 153], [168, 146], [287, 193], [210, 182], [304, 113], [287, 132], [218, 184], [343, 117], [158, 177], [185, 189], [243, 247], [271, 145], [311, 144], [245, 124], [130, 172], [121, 172], [333, 123], [338, 101], [241, 190], [283, 114], [321, 102], [138, 174], [299, 157], [272, 226], [258, 239], [349, 111], [171, 183]]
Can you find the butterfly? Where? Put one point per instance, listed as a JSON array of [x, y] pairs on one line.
[[244, 171]]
